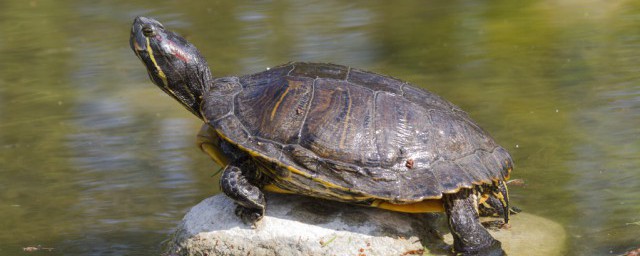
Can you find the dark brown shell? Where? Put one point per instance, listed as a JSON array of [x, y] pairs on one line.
[[347, 134]]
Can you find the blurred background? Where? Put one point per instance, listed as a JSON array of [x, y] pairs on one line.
[[95, 160]]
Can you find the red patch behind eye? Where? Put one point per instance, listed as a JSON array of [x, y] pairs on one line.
[[182, 57], [178, 52]]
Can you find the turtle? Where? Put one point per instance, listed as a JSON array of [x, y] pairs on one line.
[[334, 132]]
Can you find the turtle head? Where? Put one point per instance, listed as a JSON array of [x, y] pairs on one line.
[[173, 64]]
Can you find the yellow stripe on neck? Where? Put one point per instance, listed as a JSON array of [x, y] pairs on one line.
[[161, 74]]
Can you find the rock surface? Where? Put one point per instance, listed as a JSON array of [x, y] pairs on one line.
[[296, 225]]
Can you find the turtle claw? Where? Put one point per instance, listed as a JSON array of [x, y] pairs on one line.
[[249, 200], [496, 225], [249, 216]]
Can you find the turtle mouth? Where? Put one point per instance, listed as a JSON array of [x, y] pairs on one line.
[[142, 29], [136, 45], [137, 41]]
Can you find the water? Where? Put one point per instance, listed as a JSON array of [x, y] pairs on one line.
[[94, 160]]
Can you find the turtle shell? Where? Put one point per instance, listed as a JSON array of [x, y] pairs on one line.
[[346, 134]]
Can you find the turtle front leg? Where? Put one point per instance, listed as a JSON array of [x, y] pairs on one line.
[[249, 199], [469, 236]]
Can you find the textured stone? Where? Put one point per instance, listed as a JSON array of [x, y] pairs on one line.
[[296, 225]]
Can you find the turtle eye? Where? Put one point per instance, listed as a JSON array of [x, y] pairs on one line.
[[148, 31]]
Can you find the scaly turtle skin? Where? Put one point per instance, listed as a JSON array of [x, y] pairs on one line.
[[334, 132]]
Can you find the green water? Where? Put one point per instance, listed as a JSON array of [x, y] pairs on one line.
[[94, 160]]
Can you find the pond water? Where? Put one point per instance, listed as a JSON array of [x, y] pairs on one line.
[[95, 160]]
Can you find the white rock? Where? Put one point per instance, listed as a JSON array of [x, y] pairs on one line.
[[296, 225]]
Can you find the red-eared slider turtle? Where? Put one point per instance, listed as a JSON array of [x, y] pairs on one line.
[[333, 132]]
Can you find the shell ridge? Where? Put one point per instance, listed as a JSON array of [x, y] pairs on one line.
[[375, 126], [293, 67], [306, 111], [346, 77]]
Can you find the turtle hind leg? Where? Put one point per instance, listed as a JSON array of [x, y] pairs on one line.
[[496, 205], [249, 199], [493, 208], [469, 236], [502, 194]]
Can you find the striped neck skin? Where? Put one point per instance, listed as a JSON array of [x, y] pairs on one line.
[[173, 64]]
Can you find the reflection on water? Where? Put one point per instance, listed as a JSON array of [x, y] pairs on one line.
[[130, 188], [95, 160], [605, 169]]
